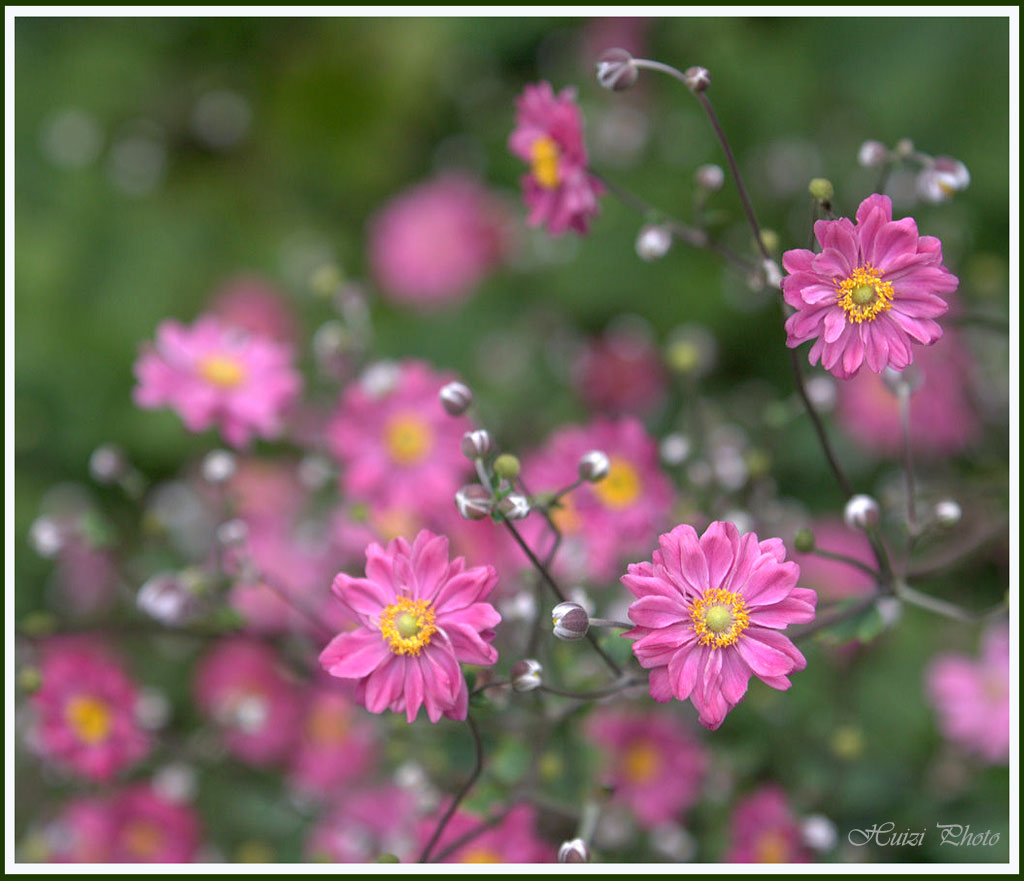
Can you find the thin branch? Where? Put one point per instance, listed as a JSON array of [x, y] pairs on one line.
[[622, 685]]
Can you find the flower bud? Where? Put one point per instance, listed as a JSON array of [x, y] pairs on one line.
[[944, 177], [456, 398], [772, 274], [947, 513], [525, 675], [821, 189], [166, 598], [653, 242], [570, 621], [909, 379], [218, 466], [674, 449], [904, 148], [861, 512], [108, 464], [232, 532], [593, 466], [709, 177], [506, 466], [46, 537], [872, 154], [477, 444], [473, 501], [803, 541], [615, 70], [30, 679], [575, 851], [387, 858], [514, 506], [818, 833], [697, 78], [770, 241], [822, 392]]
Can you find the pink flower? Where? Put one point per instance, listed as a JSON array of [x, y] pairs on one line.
[[513, 840], [708, 612], [214, 374], [872, 292], [646, 750], [943, 416], [764, 830], [604, 522], [972, 697], [558, 190], [833, 579], [433, 244], [419, 617], [238, 685], [252, 304], [364, 825], [86, 710], [397, 444], [620, 372]]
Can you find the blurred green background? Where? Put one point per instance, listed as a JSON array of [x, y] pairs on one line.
[[149, 216]]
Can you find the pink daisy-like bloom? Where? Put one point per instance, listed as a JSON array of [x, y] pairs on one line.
[[559, 191], [620, 372], [433, 244], [80, 833], [602, 523], [764, 830], [646, 750], [394, 439], [252, 304], [943, 416], [239, 686], [513, 840], [146, 827], [363, 825], [215, 374], [85, 710], [972, 697], [419, 616], [874, 290], [708, 614]]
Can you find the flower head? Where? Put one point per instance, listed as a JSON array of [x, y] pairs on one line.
[[513, 840], [419, 616], [873, 291], [364, 824], [764, 830], [708, 612], [216, 374], [558, 189]]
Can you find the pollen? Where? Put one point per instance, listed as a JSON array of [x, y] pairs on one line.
[[621, 487], [719, 618], [408, 439], [89, 718], [544, 155], [863, 295], [222, 371], [407, 625]]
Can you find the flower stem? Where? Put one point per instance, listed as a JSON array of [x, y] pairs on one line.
[[946, 609], [908, 465], [621, 685], [850, 561]]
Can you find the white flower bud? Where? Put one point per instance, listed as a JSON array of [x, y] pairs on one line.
[[218, 466], [575, 851], [473, 501], [615, 70], [861, 512], [947, 513], [514, 506], [709, 177], [477, 444], [818, 833], [107, 463], [944, 177], [232, 532], [165, 597], [772, 274], [380, 380], [176, 782], [570, 621], [152, 708], [822, 392], [674, 449], [697, 78], [456, 398], [593, 466], [653, 242], [46, 537], [525, 675], [872, 154]]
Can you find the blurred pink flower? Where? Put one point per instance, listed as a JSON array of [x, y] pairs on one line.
[[434, 243], [397, 444], [833, 579], [80, 833], [420, 617], [559, 191], [513, 840], [252, 304], [764, 830], [943, 417], [646, 750], [363, 825], [605, 522], [972, 697], [708, 612], [239, 687], [873, 291], [86, 710], [620, 372], [214, 374]]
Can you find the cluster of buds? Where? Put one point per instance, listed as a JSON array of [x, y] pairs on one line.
[[939, 179]]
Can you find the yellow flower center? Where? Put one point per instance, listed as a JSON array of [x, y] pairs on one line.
[[407, 625], [641, 763], [328, 724], [544, 154], [482, 855], [396, 522], [771, 847], [863, 295], [621, 487], [89, 718], [566, 517], [142, 838], [408, 439], [222, 371], [719, 617]]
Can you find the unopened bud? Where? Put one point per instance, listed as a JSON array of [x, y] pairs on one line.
[[772, 274], [821, 189], [456, 398], [861, 512], [477, 444], [388, 858], [904, 148], [506, 466], [872, 154], [697, 78], [46, 537], [803, 541], [108, 464], [653, 242], [818, 833], [575, 851], [514, 506], [218, 466], [944, 177], [30, 680], [594, 466], [525, 675], [615, 70], [710, 177], [232, 532], [947, 513], [570, 621], [770, 241], [166, 598], [473, 501]]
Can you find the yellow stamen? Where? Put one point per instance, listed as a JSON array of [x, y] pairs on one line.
[[90, 718], [566, 517], [408, 439], [621, 487], [328, 724], [482, 855], [641, 763], [719, 618], [544, 154], [863, 295], [771, 847], [407, 625], [222, 370], [142, 838]]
